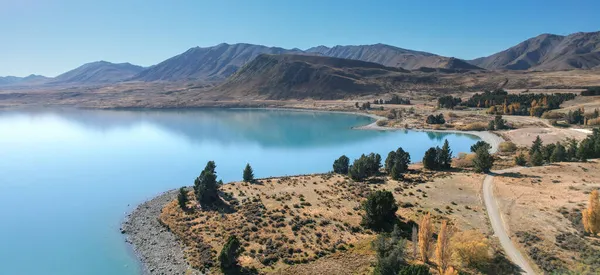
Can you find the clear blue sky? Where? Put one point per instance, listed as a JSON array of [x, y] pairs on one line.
[[52, 36]]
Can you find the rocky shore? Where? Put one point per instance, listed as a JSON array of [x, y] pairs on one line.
[[158, 249]]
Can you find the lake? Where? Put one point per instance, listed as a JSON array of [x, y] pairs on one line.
[[68, 177]]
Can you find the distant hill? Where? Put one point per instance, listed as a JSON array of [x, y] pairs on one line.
[[28, 80], [393, 57], [547, 52], [211, 63], [98, 72], [306, 76]]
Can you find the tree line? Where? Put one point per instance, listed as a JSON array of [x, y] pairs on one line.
[[394, 100], [569, 150], [591, 91], [502, 103], [396, 163]]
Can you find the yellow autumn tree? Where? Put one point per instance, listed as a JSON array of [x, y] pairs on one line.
[[425, 234], [442, 249], [450, 271], [470, 248], [591, 215]]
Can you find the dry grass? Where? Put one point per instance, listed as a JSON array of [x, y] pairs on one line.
[[475, 126], [464, 160], [536, 202], [270, 219], [507, 147]]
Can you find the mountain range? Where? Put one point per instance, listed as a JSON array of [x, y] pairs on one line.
[[547, 52], [217, 63]]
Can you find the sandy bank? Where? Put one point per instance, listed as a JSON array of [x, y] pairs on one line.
[[489, 137]]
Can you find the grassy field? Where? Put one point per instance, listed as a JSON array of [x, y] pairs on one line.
[[542, 209], [297, 225]]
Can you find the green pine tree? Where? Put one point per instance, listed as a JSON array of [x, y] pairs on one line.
[[206, 187], [229, 255], [446, 156], [483, 161], [182, 199], [536, 146], [536, 159], [430, 159], [380, 211], [559, 154], [248, 173]]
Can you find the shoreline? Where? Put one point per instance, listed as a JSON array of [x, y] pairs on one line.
[[153, 244], [493, 139], [157, 250]]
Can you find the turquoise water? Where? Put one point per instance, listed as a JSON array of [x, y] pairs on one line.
[[67, 177]]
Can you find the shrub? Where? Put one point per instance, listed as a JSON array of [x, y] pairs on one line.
[[464, 160], [380, 211], [474, 126], [390, 254], [435, 119], [381, 123], [507, 147], [479, 144], [553, 115], [471, 248], [520, 160], [593, 121], [491, 126], [416, 269]]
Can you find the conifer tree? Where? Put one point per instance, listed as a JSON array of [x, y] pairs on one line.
[[229, 255], [248, 173], [483, 161], [206, 186], [182, 199], [446, 156]]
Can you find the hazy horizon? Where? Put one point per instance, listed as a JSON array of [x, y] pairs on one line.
[[51, 38]]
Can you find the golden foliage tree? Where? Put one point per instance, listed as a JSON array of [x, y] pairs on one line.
[[470, 248], [442, 249], [591, 215], [425, 234], [450, 271]]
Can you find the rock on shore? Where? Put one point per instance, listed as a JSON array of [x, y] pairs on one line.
[[157, 248]]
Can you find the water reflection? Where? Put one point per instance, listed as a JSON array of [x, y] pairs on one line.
[[266, 128]]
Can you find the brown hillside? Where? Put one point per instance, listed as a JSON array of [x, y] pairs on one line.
[[303, 76]]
